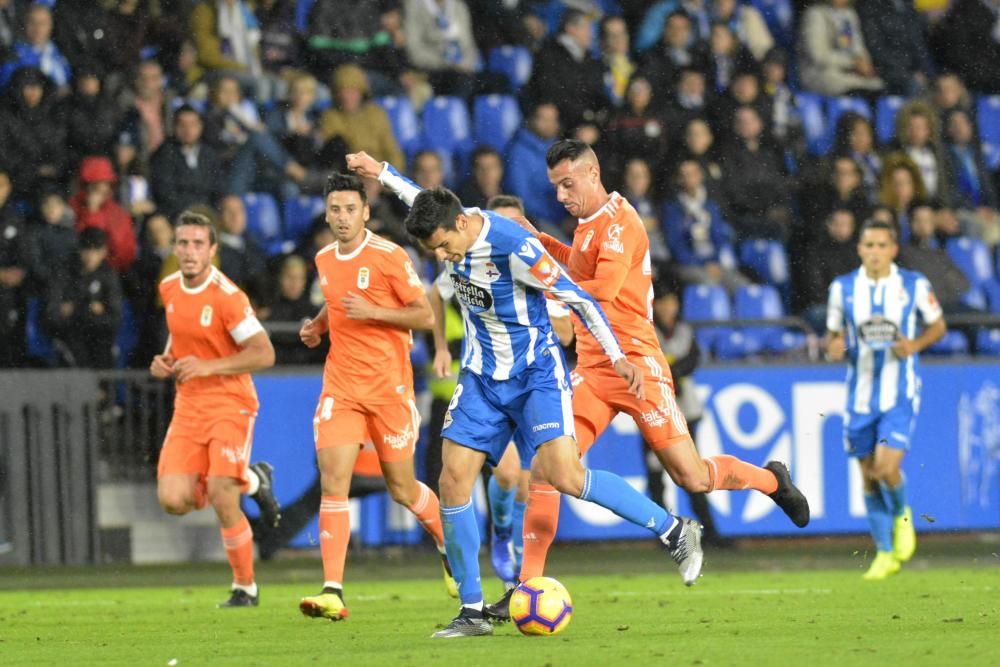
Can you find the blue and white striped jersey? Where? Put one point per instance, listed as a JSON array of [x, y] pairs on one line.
[[500, 285], [872, 314]]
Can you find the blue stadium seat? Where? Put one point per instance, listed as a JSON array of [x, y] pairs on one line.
[[954, 342], [302, 9], [988, 116], [707, 302], [988, 342], [975, 298], [739, 344], [263, 217], [496, 119], [779, 16], [514, 62], [447, 126], [127, 337], [40, 345], [972, 256], [991, 288], [299, 214], [885, 117], [765, 259], [763, 302], [810, 106], [404, 122]]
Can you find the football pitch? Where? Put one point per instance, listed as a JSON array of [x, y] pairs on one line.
[[767, 603]]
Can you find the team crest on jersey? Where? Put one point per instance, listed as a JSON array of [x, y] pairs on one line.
[[363, 277], [492, 272], [614, 242], [206, 316], [586, 241]]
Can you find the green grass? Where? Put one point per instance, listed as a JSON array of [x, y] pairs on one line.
[[799, 604]]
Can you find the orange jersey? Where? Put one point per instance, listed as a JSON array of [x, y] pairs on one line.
[[368, 362], [616, 234], [210, 322]]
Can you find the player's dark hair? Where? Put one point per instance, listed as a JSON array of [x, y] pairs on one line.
[[565, 149], [338, 182], [193, 219], [879, 224], [505, 201], [433, 208]]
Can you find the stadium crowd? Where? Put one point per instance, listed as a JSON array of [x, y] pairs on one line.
[[753, 137]]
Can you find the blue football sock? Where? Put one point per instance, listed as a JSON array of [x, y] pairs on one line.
[[461, 542], [612, 492], [879, 521], [501, 504], [895, 498], [517, 530]]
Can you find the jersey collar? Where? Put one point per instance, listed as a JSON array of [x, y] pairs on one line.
[[354, 253], [893, 271], [610, 206], [202, 287]]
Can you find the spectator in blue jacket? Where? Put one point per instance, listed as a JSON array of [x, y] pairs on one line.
[[38, 50], [700, 241], [526, 174]]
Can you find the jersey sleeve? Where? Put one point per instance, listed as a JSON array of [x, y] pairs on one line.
[[444, 286], [403, 187], [556, 309], [618, 241], [403, 278], [835, 308], [239, 317], [926, 302], [532, 267]]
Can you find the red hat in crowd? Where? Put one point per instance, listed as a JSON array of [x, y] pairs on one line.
[[97, 169]]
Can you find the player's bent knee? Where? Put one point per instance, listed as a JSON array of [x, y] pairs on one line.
[[177, 504], [569, 482]]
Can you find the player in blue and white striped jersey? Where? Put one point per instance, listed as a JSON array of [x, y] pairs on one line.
[[872, 319], [513, 377]]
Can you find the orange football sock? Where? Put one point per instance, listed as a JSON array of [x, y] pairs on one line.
[[428, 511], [334, 535], [540, 521], [238, 542], [729, 473]]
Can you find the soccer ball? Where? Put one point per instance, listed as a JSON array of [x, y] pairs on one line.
[[541, 606]]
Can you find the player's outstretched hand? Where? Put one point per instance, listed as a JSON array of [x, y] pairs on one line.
[[191, 367], [633, 375], [162, 366], [835, 348], [364, 165], [310, 333], [442, 363]]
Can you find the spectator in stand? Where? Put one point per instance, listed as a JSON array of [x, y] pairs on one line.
[[567, 75], [83, 311], [918, 135], [227, 37], [729, 58], [967, 42], [637, 188], [635, 131], [240, 258], [833, 58], [894, 33], [971, 180], [950, 94], [32, 134], [688, 100], [924, 254], [756, 191], [902, 187], [147, 113], [185, 171], [785, 122], [855, 138], [428, 169], [744, 92], [38, 51], [386, 217], [52, 241], [617, 58], [280, 41], [439, 41], [94, 205], [486, 180], [294, 122], [526, 175], [842, 189], [361, 123], [9, 23], [747, 25], [700, 241], [657, 17], [15, 263], [832, 254], [91, 117], [291, 303], [129, 27], [699, 145], [678, 49], [156, 246]]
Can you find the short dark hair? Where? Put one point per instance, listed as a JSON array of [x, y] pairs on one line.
[[185, 108], [433, 208], [569, 17], [484, 150], [339, 182], [92, 238], [194, 219], [879, 224], [505, 201], [565, 149]]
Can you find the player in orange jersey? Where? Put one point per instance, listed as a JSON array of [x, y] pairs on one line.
[[610, 259], [374, 298], [215, 343]]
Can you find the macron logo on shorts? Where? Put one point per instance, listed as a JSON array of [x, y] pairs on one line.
[[544, 427]]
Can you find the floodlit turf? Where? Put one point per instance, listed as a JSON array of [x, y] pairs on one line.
[[738, 614]]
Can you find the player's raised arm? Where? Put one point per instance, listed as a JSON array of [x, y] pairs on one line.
[[366, 166]]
